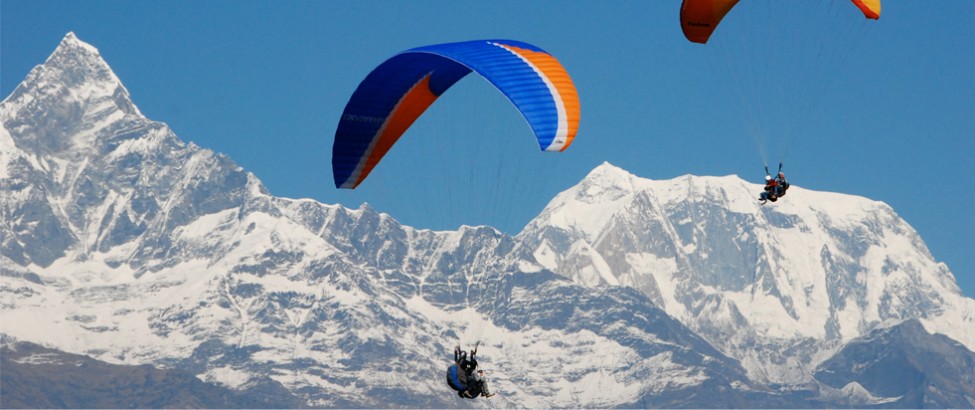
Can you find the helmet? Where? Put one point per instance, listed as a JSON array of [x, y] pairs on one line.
[[781, 175], [768, 177]]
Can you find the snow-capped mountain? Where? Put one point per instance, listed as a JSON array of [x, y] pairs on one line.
[[122, 242], [778, 286]]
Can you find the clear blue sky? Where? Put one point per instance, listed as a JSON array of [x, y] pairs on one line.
[[265, 82]]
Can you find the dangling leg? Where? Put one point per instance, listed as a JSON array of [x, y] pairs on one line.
[[485, 391], [482, 384]]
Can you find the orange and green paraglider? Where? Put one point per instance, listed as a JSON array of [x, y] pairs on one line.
[[398, 91], [699, 18]]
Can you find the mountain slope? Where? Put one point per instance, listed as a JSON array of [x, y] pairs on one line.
[[904, 366], [34, 376]]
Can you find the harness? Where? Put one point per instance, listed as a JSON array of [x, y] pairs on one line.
[[454, 375]]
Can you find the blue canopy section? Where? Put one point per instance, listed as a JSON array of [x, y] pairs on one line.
[[511, 75]]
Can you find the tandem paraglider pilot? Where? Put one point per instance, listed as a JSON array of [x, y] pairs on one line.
[[775, 188], [464, 376]]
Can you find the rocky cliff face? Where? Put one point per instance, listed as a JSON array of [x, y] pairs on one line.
[[903, 366]]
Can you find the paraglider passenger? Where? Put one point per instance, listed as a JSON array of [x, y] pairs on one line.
[[771, 190], [481, 383]]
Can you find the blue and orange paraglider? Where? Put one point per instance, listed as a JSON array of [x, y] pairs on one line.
[[400, 89]]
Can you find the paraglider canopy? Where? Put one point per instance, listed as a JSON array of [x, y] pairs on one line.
[[400, 89]]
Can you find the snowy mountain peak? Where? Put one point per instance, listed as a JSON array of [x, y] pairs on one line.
[[71, 41], [589, 206], [609, 182], [606, 181], [80, 66], [65, 102], [89, 169], [813, 266], [607, 172]]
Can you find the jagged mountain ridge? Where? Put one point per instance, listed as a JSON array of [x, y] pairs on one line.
[[122, 242]]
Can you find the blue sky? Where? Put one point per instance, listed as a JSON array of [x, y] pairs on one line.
[[891, 117]]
